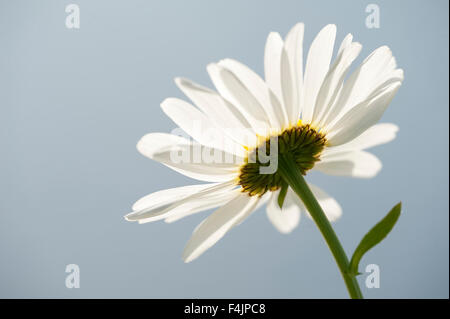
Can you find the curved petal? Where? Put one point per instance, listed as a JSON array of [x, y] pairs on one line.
[[365, 78], [288, 89], [377, 68], [261, 202], [333, 81], [329, 205], [317, 65], [354, 164], [234, 91], [348, 40], [190, 159], [169, 202], [215, 226], [361, 117], [376, 135], [192, 207], [197, 125], [169, 195], [294, 50], [272, 63], [220, 112], [284, 219], [259, 89]]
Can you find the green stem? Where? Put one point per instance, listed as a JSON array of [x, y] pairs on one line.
[[292, 175]]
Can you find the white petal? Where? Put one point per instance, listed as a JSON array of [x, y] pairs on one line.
[[376, 135], [234, 91], [333, 81], [170, 195], [330, 206], [345, 43], [288, 89], [285, 219], [220, 112], [192, 207], [376, 66], [294, 49], [361, 117], [165, 203], [215, 226], [365, 80], [185, 206], [189, 158], [355, 164], [387, 80], [272, 63], [261, 202], [317, 65], [258, 88], [197, 125]]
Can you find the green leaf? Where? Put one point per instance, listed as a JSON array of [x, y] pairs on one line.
[[373, 237], [282, 195]]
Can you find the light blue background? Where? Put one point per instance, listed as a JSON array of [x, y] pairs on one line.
[[75, 102]]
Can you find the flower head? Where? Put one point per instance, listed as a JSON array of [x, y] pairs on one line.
[[318, 116]]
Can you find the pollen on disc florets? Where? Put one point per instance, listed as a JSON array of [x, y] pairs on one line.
[[303, 143]]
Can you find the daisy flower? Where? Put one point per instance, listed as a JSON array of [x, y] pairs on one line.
[[317, 116]]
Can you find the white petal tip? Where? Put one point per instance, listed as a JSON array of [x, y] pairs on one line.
[[213, 69], [187, 258], [274, 35], [130, 217], [165, 102], [139, 145], [386, 49], [372, 173], [181, 82], [329, 28], [334, 218], [357, 45]]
